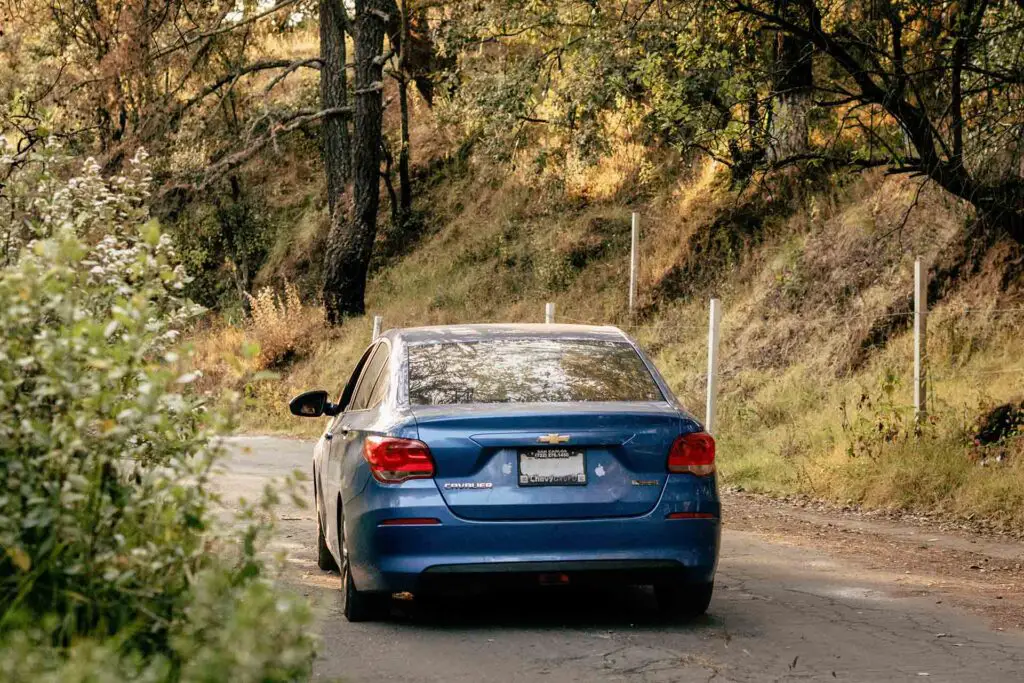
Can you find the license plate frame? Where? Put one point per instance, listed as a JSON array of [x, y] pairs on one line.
[[536, 459]]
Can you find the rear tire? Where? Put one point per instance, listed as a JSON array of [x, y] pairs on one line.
[[683, 600], [357, 605], [324, 559]]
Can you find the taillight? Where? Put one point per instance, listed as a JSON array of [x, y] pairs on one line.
[[693, 454], [393, 460], [689, 515], [410, 521]]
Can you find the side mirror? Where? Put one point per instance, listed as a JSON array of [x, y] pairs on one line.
[[312, 404]]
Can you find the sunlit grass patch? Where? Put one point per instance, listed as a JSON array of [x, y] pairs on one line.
[[803, 384]]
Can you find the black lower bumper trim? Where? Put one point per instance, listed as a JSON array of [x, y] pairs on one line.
[[557, 566], [461, 578]]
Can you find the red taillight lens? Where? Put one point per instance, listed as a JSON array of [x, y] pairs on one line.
[[394, 460], [693, 454]]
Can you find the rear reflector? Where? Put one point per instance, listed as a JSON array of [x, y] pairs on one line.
[[690, 515], [393, 460], [410, 521], [557, 579], [693, 454]]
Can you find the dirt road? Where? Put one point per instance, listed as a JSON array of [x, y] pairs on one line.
[[801, 596]]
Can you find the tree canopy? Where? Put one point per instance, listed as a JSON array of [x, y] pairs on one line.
[[926, 87], [932, 89]]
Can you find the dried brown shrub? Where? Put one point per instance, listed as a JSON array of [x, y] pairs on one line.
[[280, 324]]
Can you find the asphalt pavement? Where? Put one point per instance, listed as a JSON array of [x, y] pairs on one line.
[[781, 612]]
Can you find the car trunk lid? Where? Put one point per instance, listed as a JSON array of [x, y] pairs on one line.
[[549, 461]]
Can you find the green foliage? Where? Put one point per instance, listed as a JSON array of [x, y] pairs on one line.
[[877, 420], [225, 243], [113, 565], [918, 85], [572, 70]]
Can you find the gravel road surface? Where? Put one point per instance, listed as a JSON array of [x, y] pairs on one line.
[[801, 596]]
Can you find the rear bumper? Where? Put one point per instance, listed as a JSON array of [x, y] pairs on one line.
[[463, 552], [511, 575]]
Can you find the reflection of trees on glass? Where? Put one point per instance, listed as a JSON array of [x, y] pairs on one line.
[[527, 371]]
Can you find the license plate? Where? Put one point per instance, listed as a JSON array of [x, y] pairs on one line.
[[552, 467]]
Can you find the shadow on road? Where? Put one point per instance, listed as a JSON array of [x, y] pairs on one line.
[[554, 608]]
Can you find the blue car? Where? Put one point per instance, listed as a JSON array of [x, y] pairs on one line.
[[466, 457]]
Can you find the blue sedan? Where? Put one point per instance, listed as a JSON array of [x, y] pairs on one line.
[[466, 457]]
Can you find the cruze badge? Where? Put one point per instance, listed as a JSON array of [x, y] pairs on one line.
[[554, 438], [469, 485]]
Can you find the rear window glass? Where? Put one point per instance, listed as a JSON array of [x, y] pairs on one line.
[[528, 371]]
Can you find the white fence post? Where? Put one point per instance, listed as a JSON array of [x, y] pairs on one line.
[[714, 321], [377, 320], [634, 261], [549, 312], [920, 340]]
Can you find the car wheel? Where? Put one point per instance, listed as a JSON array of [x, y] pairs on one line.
[[357, 605], [324, 559], [683, 600]]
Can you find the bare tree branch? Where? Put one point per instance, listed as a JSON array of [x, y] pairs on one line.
[[293, 122], [188, 40]]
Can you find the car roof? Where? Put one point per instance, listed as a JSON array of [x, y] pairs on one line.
[[466, 333]]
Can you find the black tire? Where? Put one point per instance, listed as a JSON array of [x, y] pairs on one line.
[[683, 600], [357, 605], [324, 559]]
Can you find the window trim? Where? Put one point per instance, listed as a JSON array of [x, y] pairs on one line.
[[387, 360], [355, 376], [384, 374]]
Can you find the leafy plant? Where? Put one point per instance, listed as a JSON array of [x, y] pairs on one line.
[[877, 420], [113, 564]]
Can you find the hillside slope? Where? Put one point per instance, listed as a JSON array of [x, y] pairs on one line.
[[815, 275]]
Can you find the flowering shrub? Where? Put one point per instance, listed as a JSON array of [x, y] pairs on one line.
[[40, 202], [113, 564]]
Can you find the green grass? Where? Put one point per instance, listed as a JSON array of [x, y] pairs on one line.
[[791, 420]]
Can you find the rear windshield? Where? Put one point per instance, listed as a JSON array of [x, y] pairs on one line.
[[528, 371]]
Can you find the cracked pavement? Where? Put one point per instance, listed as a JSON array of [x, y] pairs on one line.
[[800, 607]]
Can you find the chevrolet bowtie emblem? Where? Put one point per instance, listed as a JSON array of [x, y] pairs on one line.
[[554, 438]]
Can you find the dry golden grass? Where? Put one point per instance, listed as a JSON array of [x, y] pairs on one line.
[[218, 353], [280, 332], [789, 431], [695, 200], [627, 169], [280, 325], [796, 308]]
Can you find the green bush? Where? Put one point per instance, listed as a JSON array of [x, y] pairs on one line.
[[113, 562]]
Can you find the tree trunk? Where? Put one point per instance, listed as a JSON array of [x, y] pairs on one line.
[[404, 183], [793, 82], [1015, 225], [350, 243], [1002, 207], [396, 211], [337, 149]]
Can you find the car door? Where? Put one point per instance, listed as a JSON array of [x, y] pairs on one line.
[[342, 477], [324, 480], [360, 418]]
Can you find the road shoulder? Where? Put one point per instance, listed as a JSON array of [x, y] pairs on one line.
[[980, 573]]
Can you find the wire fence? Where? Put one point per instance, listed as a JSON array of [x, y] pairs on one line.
[[876, 332]]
